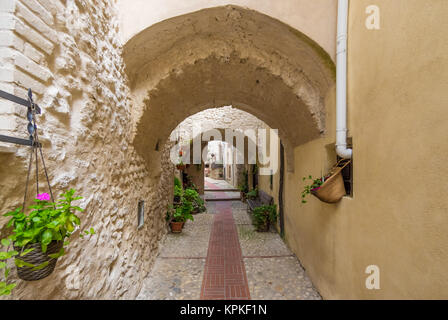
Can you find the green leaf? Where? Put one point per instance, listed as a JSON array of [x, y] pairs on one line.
[[11, 286], [92, 231], [7, 272], [57, 255], [7, 255], [25, 252], [44, 248], [47, 236], [12, 253], [10, 223], [41, 266], [6, 289], [2, 265], [20, 263], [6, 242], [37, 219], [69, 226]]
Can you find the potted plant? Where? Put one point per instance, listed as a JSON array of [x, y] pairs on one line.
[[177, 215], [252, 194], [263, 216], [180, 166], [329, 188], [178, 191], [192, 196], [243, 190], [38, 238]]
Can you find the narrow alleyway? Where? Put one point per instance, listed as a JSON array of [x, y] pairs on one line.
[[220, 256]]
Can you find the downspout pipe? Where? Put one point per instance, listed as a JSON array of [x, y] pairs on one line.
[[341, 82]]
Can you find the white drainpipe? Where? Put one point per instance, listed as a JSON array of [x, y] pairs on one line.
[[341, 82]]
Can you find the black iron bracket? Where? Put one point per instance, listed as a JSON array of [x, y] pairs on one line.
[[33, 109]]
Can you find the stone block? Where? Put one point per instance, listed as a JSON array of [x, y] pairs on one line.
[[37, 23], [39, 10], [33, 36]]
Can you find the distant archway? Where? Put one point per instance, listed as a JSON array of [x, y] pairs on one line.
[[226, 56]]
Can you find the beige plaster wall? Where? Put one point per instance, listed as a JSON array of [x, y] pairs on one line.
[[316, 18], [397, 218]]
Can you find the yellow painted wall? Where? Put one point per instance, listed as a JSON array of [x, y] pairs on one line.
[[398, 116]]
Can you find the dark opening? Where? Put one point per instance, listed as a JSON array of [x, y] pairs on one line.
[[347, 172]]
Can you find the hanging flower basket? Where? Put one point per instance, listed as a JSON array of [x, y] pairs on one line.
[[333, 189], [180, 167], [38, 258]]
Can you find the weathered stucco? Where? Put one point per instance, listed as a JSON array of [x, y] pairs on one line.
[[70, 56], [316, 18], [397, 218]]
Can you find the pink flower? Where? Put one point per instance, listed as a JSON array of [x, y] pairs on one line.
[[43, 197]]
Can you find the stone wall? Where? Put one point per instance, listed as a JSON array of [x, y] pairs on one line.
[[68, 52], [226, 117]]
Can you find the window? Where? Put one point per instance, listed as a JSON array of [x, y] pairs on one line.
[[141, 213]]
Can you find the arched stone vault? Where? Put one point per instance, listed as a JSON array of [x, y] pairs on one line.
[[226, 56]]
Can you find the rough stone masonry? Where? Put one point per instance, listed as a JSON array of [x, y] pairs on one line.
[[68, 52]]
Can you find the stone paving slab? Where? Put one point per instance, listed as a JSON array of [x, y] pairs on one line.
[[240, 213], [278, 279], [174, 279], [271, 270], [217, 184], [192, 241], [210, 195], [255, 243]]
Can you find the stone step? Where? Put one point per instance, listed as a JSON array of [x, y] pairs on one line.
[[221, 190], [223, 199]]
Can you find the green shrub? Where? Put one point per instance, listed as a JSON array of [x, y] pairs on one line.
[[264, 214], [193, 196], [252, 194], [178, 192], [177, 182]]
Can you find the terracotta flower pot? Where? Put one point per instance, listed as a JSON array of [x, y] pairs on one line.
[[176, 227]]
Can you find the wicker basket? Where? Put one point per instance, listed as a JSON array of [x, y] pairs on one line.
[[37, 257], [333, 189]]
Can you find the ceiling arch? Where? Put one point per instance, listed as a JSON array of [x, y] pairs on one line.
[[227, 56]]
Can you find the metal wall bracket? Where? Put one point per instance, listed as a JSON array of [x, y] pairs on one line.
[[32, 108]]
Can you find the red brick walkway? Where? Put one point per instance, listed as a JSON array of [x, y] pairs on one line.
[[224, 274]]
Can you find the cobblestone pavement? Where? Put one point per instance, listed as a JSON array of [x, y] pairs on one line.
[[272, 270]]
